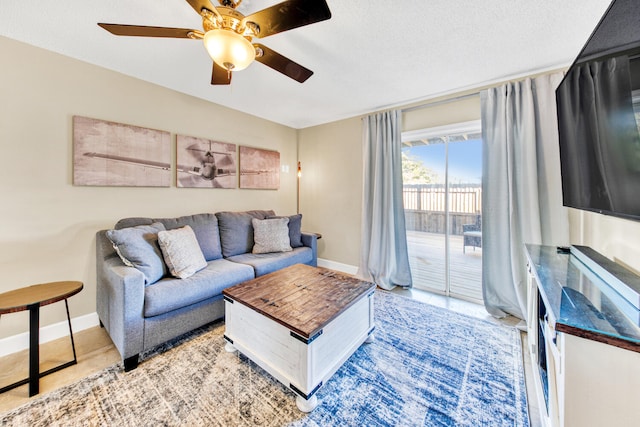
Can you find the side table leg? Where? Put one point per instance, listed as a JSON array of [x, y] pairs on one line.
[[34, 349], [73, 344]]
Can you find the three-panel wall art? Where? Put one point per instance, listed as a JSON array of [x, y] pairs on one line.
[[115, 154]]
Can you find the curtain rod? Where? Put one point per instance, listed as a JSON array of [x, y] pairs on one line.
[[443, 101]]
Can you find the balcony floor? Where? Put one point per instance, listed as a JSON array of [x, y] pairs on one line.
[[427, 261]]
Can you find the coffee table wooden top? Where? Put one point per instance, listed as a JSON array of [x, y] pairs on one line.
[[42, 294], [302, 298]]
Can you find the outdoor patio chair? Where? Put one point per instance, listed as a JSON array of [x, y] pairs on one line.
[[472, 236]]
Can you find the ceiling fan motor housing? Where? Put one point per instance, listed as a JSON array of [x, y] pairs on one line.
[[228, 19]]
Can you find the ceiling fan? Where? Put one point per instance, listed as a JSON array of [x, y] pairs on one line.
[[228, 34]]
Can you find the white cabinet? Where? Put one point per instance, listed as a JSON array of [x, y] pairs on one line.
[[585, 353]]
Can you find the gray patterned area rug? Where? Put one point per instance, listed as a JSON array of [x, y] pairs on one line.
[[428, 366]]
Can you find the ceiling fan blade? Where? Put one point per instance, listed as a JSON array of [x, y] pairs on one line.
[[143, 31], [198, 5], [220, 76], [282, 64], [289, 15]]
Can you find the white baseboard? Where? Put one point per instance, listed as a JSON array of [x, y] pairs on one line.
[[20, 342], [333, 265]]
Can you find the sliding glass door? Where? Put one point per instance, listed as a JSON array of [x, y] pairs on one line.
[[442, 174]]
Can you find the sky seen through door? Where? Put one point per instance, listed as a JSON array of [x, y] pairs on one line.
[[465, 160]]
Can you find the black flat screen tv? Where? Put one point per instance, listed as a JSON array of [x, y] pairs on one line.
[[599, 118]]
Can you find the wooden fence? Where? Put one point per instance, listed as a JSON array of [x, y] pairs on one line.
[[424, 206], [463, 198]]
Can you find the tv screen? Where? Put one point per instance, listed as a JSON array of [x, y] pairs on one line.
[[599, 118]]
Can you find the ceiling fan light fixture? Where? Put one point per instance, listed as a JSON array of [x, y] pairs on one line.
[[229, 49]]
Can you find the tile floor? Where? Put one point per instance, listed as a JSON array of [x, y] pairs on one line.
[[95, 351]]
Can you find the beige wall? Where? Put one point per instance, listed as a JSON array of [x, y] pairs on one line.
[[441, 114], [48, 225], [617, 239], [331, 183], [331, 187]]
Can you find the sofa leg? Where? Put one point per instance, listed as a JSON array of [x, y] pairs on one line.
[[101, 324], [130, 363]]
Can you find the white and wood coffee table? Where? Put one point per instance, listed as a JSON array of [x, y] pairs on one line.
[[299, 324]]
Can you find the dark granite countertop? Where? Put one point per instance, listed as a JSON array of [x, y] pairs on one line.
[[580, 303]]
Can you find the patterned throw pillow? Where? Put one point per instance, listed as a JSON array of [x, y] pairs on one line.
[[271, 235], [181, 252], [138, 247]]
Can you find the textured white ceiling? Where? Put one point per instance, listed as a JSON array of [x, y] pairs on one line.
[[370, 55]]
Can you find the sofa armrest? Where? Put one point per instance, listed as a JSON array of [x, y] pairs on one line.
[[119, 300], [310, 240]]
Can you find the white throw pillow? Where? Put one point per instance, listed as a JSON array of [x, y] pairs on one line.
[[181, 252], [271, 235]]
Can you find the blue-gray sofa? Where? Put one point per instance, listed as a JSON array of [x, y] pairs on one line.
[[142, 304]]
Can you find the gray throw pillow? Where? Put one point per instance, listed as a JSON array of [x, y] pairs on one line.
[[133, 222], [271, 235], [204, 226], [181, 252], [236, 230], [295, 229], [138, 247]]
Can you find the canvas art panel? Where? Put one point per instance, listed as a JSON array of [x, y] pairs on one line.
[[203, 163], [259, 169], [115, 154]]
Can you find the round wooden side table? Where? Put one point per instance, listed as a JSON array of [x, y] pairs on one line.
[[32, 298]]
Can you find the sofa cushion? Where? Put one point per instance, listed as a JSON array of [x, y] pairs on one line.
[[268, 263], [138, 247], [236, 230], [270, 235], [295, 229], [181, 252], [204, 225], [170, 293]]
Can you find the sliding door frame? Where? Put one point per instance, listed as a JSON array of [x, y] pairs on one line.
[[473, 126]]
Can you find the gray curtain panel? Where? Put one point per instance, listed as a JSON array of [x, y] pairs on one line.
[[384, 258], [521, 188]]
